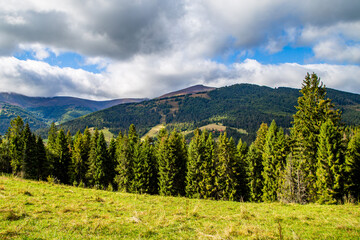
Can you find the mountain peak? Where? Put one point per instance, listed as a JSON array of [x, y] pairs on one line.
[[193, 89]]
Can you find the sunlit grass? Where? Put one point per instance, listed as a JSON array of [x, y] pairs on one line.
[[38, 210]]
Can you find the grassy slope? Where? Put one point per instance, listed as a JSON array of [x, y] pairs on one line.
[[37, 210]]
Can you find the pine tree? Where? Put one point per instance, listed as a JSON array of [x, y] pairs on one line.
[[243, 188], [144, 168], [227, 176], [16, 144], [274, 158], [207, 184], [43, 168], [110, 169], [330, 166], [98, 168], [30, 159], [196, 155], [5, 159], [255, 164], [313, 110], [62, 159], [172, 165], [52, 149], [79, 160], [353, 166], [125, 160], [92, 157]]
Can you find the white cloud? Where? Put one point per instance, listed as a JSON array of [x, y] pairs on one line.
[[149, 76], [147, 48]]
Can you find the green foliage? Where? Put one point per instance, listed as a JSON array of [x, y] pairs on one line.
[[274, 158], [226, 180], [16, 144], [330, 165], [30, 159], [144, 168], [172, 159], [353, 165], [255, 164], [312, 111], [79, 160], [243, 184], [62, 158]]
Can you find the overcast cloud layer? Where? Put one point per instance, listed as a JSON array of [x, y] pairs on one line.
[[147, 48]]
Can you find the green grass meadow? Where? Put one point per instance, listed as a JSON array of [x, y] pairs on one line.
[[40, 210]]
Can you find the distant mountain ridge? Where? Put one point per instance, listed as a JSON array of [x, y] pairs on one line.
[[189, 90], [40, 111], [33, 102]]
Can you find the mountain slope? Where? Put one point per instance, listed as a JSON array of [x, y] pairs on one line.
[[54, 109], [189, 90], [241, 108]]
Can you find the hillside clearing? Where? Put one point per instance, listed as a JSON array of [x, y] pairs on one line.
[[38, 210]]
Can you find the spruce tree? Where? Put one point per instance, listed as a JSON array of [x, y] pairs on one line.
[[144, 168], [330, 165], [312, 111], [172, 165], [255, 164], [353, 166], [16, 144], [92, 157], [99, 167], [110, 172], [196, 155], [30, 159], [274, 159], [79, 161], [5, 157], [207, 184], [243, 188], [227, 176], [125, 160], [43, 168], [62, 159]]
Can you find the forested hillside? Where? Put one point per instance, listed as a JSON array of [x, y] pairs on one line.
[[241, 108], [39, 112], [318, 161]]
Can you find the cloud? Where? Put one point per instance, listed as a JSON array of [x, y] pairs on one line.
[[148, 76], [147, 48]]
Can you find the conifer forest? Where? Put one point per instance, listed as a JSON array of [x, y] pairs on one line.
[[316, 160]]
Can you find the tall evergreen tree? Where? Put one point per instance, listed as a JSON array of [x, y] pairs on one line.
[[125, 160], [79, 161], [16, 144], [110, 170], [5, 157], [274, 159], [172, 164], [30, 160], [43, 168], [62, 159], [207, 184], [353, 166], [227, 177], [196, 157], [312, 111], [99, 167], [255, 164], [144, 168], [92, 157], [330, 166], [243, 185]]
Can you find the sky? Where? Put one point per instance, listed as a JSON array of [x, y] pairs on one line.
[[107, 49]]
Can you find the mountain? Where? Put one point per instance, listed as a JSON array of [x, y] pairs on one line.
[[40, 111], [240, 109], [189, 90]]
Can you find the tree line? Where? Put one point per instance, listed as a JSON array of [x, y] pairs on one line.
[[318, 161]]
